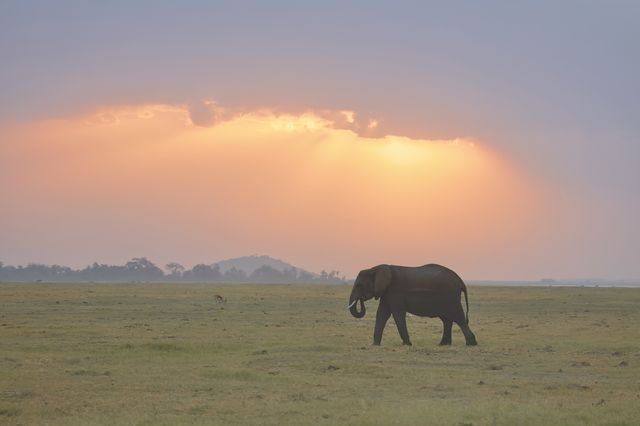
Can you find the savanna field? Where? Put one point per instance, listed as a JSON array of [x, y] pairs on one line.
[[149, 354]]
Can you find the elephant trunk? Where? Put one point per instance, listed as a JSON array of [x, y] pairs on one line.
[[354, 310], [353, 306]]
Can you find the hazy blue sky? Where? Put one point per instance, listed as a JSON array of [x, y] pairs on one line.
[[553, 85]]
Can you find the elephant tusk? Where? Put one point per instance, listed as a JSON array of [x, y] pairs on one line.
[[352, 303]]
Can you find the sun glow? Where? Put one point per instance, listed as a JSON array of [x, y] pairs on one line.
[[293, 185], [405, 151]]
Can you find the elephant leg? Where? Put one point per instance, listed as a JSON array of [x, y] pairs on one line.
[[460, 319], [468, 334], [382, 316], [446, 331], [401, 323]]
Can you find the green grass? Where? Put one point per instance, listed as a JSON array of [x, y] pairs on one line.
[[154, 354]]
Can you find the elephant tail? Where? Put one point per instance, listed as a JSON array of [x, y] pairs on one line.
[[466, 300]]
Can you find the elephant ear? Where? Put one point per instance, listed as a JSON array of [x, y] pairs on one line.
[[381, 280]]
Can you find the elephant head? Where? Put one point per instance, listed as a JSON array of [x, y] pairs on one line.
[[368, 284]]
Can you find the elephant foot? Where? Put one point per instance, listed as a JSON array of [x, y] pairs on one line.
[[445, 343], [472, 342], [375, 344], [407, 343]]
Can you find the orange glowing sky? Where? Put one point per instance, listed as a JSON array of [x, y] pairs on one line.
[[310, 188]]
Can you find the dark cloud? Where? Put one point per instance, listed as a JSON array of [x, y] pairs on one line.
[[207, 113], [361, 124], [204, 113]]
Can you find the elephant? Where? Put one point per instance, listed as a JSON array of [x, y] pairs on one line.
[[428, 291]]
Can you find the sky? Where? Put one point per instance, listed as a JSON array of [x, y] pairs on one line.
[[497, 138]]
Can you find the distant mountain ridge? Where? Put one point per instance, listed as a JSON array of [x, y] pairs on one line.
[[249, 264]]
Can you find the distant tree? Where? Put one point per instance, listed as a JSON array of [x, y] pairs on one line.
[[332, 277], [202, 272], [102, 272], [7, 273], [175, 270], [142, 269], [305, 277], [266, 274], [61, 273], [37, 272], [235, 275], [290, 275]]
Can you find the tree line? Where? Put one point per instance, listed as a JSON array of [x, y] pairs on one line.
[[141, 269]]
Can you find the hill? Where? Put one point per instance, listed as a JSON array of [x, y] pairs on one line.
[[249, 264]]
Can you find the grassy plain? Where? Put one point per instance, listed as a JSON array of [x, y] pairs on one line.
[[154, 354]]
